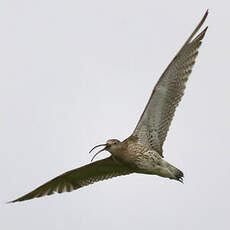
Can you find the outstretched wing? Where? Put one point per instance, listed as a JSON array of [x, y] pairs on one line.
[[77, 178], [154, 123]]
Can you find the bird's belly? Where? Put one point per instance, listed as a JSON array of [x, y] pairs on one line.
[[151, 163]]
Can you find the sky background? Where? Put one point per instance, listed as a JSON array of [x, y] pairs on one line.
[[75, 73]]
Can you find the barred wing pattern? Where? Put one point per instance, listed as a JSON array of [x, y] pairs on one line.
[[154, 123], [77, 178]]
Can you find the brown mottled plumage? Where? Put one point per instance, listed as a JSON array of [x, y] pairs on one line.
[[142, 151]]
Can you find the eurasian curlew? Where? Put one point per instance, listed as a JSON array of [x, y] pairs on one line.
[[142, 151]]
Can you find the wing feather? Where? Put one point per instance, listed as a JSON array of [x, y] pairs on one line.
[[77, 178], [154, 123]]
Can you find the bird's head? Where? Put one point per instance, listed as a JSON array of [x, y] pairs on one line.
[[112, 146]]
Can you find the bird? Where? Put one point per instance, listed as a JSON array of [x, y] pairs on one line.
[[142, 151]]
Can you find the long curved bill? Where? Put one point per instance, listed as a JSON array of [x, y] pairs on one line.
[[98, 151]]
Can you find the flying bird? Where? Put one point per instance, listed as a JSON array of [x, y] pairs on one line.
[[142, 151]]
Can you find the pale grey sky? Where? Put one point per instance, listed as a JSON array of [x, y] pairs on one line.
[[75, 73]]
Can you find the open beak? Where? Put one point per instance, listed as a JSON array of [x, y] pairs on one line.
[[98, 151]]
